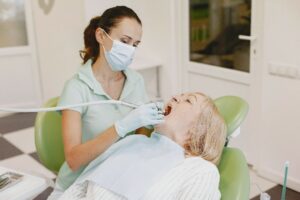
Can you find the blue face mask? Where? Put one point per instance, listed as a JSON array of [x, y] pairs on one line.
[[120, 56]]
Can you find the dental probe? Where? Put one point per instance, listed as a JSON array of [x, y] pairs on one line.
[[29, 110]]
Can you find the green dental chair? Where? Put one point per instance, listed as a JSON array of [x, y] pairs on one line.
[[233, 168], [234, 183]]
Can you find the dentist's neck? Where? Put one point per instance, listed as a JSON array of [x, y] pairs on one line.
[[103, 71]]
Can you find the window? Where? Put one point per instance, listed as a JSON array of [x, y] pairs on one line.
[[215, 26], [12, 23]]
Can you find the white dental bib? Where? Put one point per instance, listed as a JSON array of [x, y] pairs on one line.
[[131, 166]]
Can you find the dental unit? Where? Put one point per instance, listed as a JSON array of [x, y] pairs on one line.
[[30, 110]]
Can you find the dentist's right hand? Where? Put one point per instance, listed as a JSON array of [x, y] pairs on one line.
[[144, 115]]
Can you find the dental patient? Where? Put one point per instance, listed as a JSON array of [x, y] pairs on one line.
[[178, 160]]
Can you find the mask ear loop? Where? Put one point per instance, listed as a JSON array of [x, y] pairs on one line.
[[107, 36]]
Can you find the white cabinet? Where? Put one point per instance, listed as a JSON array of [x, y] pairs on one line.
[[150, 69]]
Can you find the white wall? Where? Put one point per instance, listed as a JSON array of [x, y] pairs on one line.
[[59, 37], [280, 135]]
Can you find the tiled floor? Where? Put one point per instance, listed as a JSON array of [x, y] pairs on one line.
[[259, 184], [17, 151]]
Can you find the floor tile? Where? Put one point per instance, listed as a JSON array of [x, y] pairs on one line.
[[275, 194], [44, 194], [26, 164], [16, 122], [7, 149], [23, 139], [257, 181], [35, 156]]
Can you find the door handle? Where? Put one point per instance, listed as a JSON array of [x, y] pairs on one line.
[[247, 37]]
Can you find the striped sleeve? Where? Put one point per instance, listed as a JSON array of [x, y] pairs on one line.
[[201, 186]]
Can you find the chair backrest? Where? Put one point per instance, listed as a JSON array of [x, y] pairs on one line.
[[234, 175], [48, 137], [234, 111]]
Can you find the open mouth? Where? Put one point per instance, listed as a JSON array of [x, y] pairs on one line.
[[168, 110]]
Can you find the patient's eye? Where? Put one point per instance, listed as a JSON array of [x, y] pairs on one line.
[[189, 101], [175, 99]]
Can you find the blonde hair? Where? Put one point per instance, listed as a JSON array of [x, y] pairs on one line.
[[208, 135]]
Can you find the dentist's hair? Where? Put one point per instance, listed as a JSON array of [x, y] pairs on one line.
[[108, 20], [208, 135]]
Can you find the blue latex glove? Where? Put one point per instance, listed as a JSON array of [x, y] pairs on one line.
[[160, 106], [144, 115]]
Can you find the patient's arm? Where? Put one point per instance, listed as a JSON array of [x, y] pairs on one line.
[[144, 131]]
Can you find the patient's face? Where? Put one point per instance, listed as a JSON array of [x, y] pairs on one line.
[[186, 105], [182, 112]]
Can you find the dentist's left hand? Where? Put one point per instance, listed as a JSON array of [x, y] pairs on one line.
[[144, 115]]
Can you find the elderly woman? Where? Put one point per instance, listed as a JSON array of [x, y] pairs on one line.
[[178, 161]]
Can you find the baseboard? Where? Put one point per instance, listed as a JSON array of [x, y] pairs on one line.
[[277, 177]]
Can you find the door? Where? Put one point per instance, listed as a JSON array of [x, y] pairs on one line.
[[19, 76], [221, 56]]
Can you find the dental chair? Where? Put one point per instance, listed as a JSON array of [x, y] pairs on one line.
[[233, 168], [234, 182]]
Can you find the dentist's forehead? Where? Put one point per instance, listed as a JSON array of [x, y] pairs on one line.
[[130, 27]]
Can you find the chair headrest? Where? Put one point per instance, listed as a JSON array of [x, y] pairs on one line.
[[234, 111]]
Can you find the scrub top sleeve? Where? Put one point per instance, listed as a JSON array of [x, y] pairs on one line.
[[72, 94]]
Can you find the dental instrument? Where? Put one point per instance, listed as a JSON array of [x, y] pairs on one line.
[[286, 168], [30, 110], [159, 106]]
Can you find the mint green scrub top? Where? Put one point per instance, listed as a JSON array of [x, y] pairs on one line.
[[83, 87]]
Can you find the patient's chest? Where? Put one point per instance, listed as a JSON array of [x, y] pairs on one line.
[[132, 170]]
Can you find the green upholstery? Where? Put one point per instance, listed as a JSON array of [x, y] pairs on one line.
[[48, 137], [234, 110], [234, 183], [235, 179]]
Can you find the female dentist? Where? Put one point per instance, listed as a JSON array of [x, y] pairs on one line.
[[110, 41]]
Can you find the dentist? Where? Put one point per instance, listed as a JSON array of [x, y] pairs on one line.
[[110, 41]]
